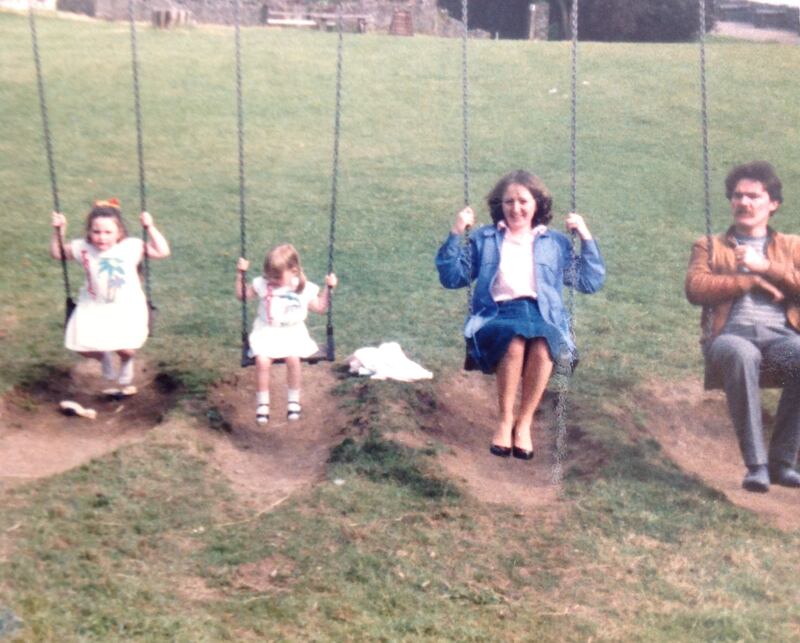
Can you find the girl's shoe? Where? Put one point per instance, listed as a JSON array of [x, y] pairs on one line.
[[262, 413], [68, 407], [120, 393], [293, 410]]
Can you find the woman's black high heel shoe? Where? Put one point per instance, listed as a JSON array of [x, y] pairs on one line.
[[501, 452], [519, 452], [522, 454]]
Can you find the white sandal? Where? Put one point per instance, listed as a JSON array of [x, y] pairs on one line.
[[293, 410]]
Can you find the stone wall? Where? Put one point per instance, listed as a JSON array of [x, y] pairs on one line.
[[766, 16], [22, 5], [539, 25], [427, 16]]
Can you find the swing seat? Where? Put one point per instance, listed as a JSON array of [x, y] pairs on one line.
[[69, 309], [326, 354], [152, 315], [563, 367]]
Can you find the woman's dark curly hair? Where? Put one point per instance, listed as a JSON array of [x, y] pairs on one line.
[[544, 201]]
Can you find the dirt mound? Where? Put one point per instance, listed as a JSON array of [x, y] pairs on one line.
[[265, 464], [36, 440], [694, 430], [463, 421], [268, 463]]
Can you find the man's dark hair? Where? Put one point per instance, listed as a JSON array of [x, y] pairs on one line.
[[755, 171]]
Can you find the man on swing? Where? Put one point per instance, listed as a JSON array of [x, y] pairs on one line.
[[749, 286]]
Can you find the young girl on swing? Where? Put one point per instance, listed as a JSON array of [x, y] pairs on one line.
[[279, 330], [111, 315]]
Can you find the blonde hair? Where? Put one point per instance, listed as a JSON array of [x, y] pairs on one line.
[[280, 259]]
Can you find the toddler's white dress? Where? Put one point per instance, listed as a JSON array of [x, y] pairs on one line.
[[111, 313], [279, 329]]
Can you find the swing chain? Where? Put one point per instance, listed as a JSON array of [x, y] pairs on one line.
[[48, 141], [706, 163], [704, 118], [335, 172], [574, 110], [240, 141], [465, 95], [574, 157], [465, 138], [139, 145], [566, 364]]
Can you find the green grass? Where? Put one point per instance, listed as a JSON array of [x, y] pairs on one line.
[[107, 551]]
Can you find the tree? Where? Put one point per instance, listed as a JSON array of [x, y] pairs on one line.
[[560, 10], [641, 20]]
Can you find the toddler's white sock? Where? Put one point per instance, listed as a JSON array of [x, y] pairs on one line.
[[126, 372], [109, 372]]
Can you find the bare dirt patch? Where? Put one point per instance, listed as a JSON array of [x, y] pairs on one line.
[[269, 463], [462, 421], [265, 575], [36, 440], [693, 428], [194, 588]]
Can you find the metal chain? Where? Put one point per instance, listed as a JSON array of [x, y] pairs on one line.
[[706, 163], [240, 139], [465, 95], [335, 174], [566, 368], [574, 110], [574, 154], [465, 138], [704, 121], [139, 147], [48, 141]]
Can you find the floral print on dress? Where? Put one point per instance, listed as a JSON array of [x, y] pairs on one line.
[[113, 269]]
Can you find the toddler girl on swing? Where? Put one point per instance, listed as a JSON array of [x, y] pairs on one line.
[[111, 315], [279, 330]]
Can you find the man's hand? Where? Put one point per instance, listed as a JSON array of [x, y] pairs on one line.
[[749, 258], [771, 290]]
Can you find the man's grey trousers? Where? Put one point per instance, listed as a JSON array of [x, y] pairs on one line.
[[737, 355]]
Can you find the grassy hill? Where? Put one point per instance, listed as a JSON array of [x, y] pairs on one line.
[[640, 552]]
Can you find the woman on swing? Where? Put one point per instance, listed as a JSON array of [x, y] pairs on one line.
[[518, 326]]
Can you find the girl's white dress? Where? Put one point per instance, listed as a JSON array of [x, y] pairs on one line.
[[112, 309], [279, 329]]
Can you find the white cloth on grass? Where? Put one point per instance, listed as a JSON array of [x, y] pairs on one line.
[[387, 361]]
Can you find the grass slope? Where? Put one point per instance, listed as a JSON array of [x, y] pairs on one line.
[[110, 551]]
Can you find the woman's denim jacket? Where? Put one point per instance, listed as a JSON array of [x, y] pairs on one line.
[[552, 252]]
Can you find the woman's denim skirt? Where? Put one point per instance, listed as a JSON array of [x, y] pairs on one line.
[[515, 318]]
